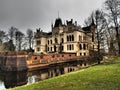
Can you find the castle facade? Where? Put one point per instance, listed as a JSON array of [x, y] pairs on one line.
[[66, 38]]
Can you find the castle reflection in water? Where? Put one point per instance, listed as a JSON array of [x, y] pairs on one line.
[[14, 79]]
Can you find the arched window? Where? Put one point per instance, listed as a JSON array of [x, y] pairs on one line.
[[67, 38], [48, 42], [80, 46], [51, 48], [56, 41], [51, 41], [72, 37], [70, 47], [84, 46], [48, 48]]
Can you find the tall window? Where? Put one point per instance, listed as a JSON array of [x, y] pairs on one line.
[[67, 38], [51, 48], [80, 46], [51, 41], [38, 42], [48, 42], [72, 37], [56, 41], [48, 48], [72, 46], [67, 47], [84, 46]]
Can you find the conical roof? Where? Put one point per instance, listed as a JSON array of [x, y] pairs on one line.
[[58, 22]]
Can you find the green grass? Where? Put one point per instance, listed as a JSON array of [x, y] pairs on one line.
[[100, 77]]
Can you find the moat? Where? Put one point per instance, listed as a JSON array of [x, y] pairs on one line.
[[14, 79]]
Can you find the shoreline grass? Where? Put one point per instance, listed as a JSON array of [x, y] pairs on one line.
[[105, 76]]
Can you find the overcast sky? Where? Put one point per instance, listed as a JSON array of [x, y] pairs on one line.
[[33, 14]]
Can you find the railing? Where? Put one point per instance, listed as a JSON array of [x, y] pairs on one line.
[[58, 60]]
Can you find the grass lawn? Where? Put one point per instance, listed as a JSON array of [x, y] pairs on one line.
[[105, 76]]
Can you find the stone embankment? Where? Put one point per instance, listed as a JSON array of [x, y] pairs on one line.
[[13, 61]]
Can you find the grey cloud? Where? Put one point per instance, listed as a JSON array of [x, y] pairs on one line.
[[40, 13]]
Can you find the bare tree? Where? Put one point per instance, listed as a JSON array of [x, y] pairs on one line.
[[2, 36], [113, 8], [88, 21], [11, 33], [98, 18], [30, 38], [19, 39]]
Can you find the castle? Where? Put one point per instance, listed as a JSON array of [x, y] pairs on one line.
[[66, 38]]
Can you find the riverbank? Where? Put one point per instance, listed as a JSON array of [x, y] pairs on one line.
[[101, 77]]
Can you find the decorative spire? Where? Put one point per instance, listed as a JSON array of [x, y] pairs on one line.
[[92, 21]]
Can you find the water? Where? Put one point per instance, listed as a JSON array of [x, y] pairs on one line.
[[14, 79]]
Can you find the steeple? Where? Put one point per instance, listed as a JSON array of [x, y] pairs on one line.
[[92, 24], [58, 14]]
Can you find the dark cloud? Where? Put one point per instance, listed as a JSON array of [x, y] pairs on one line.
[[40, 13]]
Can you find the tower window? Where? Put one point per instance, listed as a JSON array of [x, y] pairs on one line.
[[38, 42], [38, 49]]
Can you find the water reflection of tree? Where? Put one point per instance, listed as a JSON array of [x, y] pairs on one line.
[[13, 79]]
